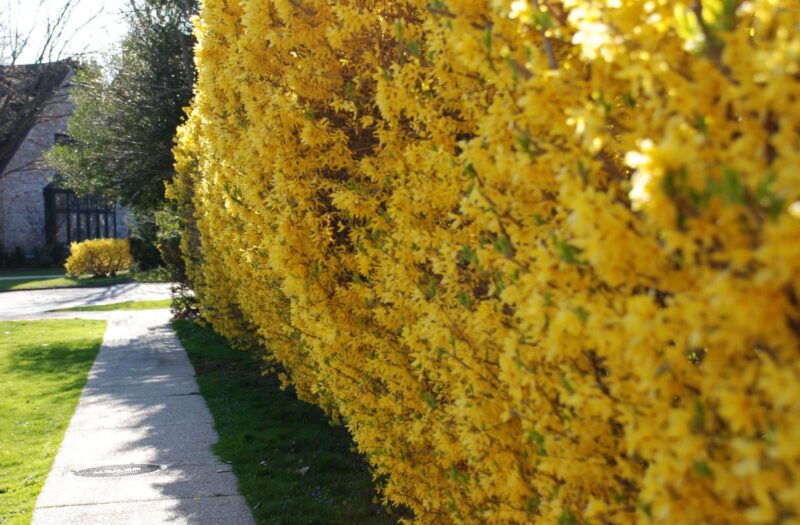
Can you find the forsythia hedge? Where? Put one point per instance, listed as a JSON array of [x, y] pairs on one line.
[[99, 257], [541, 257]]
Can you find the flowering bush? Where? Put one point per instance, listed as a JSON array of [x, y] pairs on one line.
[[542, 258], [99, 257]]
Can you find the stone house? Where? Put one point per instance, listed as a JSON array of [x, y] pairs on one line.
[[36, 216]]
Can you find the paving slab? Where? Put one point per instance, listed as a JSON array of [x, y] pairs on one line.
[[130, 412], [175, 481], [141, 406], [130, 373], [162, 445], [123, 380], [147, 387], [220, 510]]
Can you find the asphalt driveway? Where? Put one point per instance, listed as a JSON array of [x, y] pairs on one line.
[[35, 304]]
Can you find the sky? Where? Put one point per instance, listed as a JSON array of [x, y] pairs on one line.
[[93, 28]]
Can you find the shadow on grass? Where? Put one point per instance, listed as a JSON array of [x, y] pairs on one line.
[[31, 272], [60, 282], [43, 366], [292, 465], [64, 364]]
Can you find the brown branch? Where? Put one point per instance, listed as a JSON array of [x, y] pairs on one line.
[[520, 69], [306, 10], [442, 12], [548, 44], [714, 45], [599, 371]]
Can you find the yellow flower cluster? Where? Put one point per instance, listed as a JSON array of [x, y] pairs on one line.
[[541, 257], [99, 257]]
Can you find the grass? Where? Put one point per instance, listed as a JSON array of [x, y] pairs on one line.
[[270, 437], [31, 279], [154, 275], [31, 272], [43, 366], [60, 282], [126, 305]]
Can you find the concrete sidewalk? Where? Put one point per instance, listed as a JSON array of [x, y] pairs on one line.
[[140, 409]]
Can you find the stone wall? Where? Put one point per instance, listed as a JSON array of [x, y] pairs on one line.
[[22, 212]]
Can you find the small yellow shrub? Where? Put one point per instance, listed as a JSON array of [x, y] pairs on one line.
[[99, 257]]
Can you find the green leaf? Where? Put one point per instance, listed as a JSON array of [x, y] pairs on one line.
[[467, 255], [464, 299], [377, 234], [538, 440], [733, 191], [767, 199], [567, 518], [565, 383], [532, 505], [398, 29], [413, 47], [541, 19], [499, 282], [702, 469], [503, 245], [699, 417], [568, 253], [458, 476], [487, 39], [699, 199], [548, 299], [724, 19], [430, 290], [536, 437], [470, 170], [765, 187], [702, 125], [646, 508], [524, 145], [428, 398]]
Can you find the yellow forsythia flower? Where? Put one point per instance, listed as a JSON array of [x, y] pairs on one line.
[[542, 258], [99, 257]]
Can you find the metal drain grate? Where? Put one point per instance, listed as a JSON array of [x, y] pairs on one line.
[[118, 471]]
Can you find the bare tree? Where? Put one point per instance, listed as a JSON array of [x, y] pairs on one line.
[[46, 45], [29, 93]]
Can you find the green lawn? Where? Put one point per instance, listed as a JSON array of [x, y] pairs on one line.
[[32, 272], [155, 275], [270, 437], [43, 366], [31, 279], [60, 282], [127, 305]]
